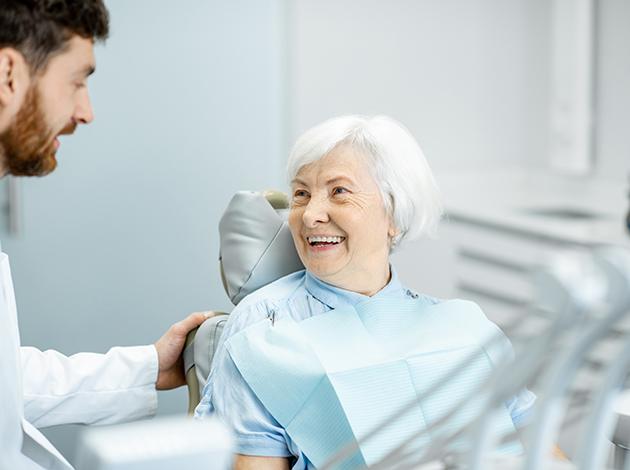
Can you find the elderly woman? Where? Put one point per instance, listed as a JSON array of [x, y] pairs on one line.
[[360, 187]]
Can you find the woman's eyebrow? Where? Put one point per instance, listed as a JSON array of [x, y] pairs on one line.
[[339, 179]]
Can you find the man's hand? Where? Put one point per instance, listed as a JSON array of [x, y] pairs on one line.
[[169, 348]]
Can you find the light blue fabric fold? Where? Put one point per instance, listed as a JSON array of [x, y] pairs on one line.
[[331, 379]]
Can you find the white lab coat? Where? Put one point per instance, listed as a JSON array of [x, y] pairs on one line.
[[39, 389]]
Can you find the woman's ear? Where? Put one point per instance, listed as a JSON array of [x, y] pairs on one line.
[[392, 231], [14, 76]]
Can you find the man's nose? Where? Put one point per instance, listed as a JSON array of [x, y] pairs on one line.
[[83, 113], [316, 212]]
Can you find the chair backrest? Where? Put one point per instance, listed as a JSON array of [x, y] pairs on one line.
[[256, 244], [256, 248]]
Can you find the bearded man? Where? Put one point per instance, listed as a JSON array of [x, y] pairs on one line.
[[46, 57]]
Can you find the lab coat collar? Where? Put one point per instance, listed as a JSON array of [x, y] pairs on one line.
[[336, 297]]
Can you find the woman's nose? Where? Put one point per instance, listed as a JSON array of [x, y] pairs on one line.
[[316, 212]]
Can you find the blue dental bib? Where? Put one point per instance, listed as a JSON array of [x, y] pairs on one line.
[[333, 378]]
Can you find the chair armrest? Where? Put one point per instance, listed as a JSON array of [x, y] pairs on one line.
[[201, 344]]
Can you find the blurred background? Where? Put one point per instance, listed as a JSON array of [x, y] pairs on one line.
[[522, 108]]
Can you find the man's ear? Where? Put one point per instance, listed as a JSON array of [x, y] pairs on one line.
[[14, 76]]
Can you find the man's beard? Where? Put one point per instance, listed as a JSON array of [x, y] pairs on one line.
[[29, 144]]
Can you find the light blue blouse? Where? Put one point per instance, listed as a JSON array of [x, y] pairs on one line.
[[299, 295]]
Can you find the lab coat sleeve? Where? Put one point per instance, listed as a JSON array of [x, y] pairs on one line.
[[89, 388]]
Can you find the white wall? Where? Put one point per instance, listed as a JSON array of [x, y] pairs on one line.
[[470, 79], [122, 240], [613, 90]]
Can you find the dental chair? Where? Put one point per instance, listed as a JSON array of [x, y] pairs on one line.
[[256, 248]]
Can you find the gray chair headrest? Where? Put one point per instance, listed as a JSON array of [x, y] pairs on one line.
[[256, 246]]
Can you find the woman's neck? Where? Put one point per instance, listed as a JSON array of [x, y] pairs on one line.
[[367, 284]]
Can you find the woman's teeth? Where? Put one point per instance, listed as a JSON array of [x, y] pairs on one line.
[[322, 240]]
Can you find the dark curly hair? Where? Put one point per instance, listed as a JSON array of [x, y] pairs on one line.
[[41, 28]]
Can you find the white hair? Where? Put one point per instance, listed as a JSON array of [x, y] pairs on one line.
[[396, 161]]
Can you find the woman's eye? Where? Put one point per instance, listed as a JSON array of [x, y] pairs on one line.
[[339, 190], [300, 194]]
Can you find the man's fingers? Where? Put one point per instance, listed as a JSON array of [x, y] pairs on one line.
[[190, 322]]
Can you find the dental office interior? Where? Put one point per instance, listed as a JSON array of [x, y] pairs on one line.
[[521, 107]]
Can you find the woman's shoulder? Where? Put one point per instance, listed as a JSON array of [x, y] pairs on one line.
[[427, 299], [469, 309], [259, 305], [276, 291], [431, 300]]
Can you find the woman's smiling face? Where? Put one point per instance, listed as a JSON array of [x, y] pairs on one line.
[[339, 224]]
